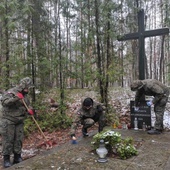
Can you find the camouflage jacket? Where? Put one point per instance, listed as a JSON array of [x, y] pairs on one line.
[[152, 87], [12, 107], [92, 113]]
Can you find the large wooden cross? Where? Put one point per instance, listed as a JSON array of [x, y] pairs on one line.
[[141, 34]]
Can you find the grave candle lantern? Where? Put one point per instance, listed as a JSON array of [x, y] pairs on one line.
[[102, 152]]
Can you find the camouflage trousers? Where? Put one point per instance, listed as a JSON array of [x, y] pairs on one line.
[[159, 109], [12, 137], [88, 122]]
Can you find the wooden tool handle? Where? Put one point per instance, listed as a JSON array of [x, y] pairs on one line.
[[34, 120]]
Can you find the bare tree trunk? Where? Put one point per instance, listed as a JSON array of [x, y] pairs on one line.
[[98, 51], [82, 54], [1, 47], [108, 61], [135, 65], [150, 56], [7, 74], [155, 72], [56, 11], [33, 61], [61, 72], [161, 70]]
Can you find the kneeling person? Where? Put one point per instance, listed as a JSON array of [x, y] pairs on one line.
[[89, 113]]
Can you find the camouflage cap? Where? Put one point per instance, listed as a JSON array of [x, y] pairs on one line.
[[26, 83], [137, 84]]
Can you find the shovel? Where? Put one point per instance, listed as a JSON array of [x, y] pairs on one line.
[[48, 143]]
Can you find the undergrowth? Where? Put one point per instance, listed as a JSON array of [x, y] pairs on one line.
[[50, 120], [124, 148]]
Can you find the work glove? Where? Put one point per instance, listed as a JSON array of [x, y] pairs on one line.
[[149, 103], [30, 112], [74, 140], [20, 95]]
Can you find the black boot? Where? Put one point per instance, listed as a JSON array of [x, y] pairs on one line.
[[7, 162], [17, 158], [84, 132], [154, 132]]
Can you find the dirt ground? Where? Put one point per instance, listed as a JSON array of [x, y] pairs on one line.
[[35, 144], [153, 154], [153, 151]]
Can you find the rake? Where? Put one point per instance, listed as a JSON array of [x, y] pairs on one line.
[[48, 143]]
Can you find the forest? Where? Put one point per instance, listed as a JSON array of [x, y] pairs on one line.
[[73, 43]]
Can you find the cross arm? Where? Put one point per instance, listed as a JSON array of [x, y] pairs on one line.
[[128, 36], [151, 33]]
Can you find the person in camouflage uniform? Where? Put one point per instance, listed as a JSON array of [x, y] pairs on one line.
[[89, 113], [14, 114], [160, 92]]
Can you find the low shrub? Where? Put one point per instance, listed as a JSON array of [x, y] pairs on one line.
[[124, 148]]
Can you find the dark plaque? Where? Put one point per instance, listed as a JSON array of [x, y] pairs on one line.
[[143, 114]]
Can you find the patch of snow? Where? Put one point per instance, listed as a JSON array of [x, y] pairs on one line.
[[125, 96]]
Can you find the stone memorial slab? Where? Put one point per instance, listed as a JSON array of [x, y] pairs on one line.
[[143, 114]]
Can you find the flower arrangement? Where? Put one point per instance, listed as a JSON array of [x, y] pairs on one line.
[[122, 147]]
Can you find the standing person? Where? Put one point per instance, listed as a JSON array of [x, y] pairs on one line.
[[89, 113], [160, 92], [14, 114]]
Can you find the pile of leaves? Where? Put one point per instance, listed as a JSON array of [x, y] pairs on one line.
[[124, 148]]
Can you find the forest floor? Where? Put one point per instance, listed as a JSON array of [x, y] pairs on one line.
[[153, 153], [35, 145]]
